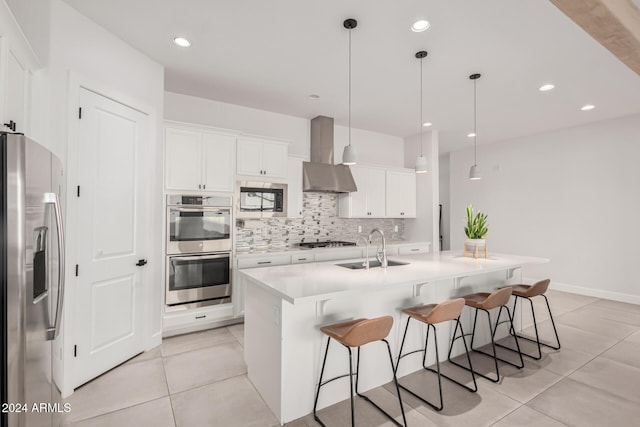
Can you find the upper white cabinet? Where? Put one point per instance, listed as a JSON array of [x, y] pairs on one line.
[[199, 160], [401, 194], [381, 193], [258, 157], [369, 200], [294, 187], [17, 61]]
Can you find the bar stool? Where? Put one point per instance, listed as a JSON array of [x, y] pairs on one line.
[[487, 301], [433, 314], [528, 292], [356, 333]]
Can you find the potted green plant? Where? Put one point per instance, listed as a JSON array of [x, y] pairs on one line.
[[475, 230]]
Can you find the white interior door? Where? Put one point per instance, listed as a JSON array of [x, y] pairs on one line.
[[112, 233]]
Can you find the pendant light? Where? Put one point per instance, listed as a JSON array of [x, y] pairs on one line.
[[474, 172], [349, 155], [421, 161]]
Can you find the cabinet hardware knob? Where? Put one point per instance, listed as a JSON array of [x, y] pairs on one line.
[[141, 262]]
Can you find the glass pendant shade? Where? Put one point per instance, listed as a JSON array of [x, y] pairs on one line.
[[474, 173], [349, 155], [421, 164]]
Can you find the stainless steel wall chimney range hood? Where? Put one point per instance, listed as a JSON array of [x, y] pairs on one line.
[[321, 174]]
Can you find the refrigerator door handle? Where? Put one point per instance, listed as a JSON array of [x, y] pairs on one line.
[[54, 331]]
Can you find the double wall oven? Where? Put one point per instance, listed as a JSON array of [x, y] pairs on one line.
[[199, 241]]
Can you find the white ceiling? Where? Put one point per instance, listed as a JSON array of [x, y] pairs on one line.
[[272, 54]]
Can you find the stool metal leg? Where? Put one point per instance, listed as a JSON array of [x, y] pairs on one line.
[[535, 327], [397, 390], [466, 350], [351, 386], [315, 403], [437, 371], [493, 343]]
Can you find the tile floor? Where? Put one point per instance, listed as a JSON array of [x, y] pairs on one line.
[[593, 381]]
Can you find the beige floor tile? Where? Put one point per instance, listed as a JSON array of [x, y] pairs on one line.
[[124, 386], [610, 376], [527, 417], [147, 355], [230, 403], [197, 340], [577, 404], [204, 366], [616, 305], [588, 319], [518, 384], [629, 318], [625, 352], [238, 332], [461, 407], [573, 338], [366, 415], [562, 302], [561, 362], [157, 413], [634, 337]]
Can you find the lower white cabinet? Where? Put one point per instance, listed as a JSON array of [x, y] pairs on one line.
[[413, 248]]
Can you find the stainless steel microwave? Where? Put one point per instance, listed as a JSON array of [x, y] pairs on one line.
[[261, 199]]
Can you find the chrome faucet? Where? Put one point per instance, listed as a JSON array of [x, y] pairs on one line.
[[365, 264], [382, 255]]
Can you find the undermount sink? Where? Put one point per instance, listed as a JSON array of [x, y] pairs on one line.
[[359, 265]]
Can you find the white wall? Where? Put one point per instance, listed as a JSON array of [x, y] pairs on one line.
[[423, 227], [569, 195], [373, 148], [33, 18], [81, 52]]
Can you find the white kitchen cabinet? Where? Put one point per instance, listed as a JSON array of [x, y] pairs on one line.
[[16, 63], [303, 258], [264, 260], [264, 158], [413, 248], [198, 161], [294, 187], [369, 200], [401, 194]]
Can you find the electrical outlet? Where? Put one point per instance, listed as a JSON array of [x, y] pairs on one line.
[[359, 229], [395, 228]]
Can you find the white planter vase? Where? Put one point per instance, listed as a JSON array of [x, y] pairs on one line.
[[475, 247]]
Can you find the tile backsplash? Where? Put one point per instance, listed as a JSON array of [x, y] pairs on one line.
[[319, 222]]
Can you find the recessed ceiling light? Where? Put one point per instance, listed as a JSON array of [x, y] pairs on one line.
[[588, 107], [420, 25], [471, 135], [314, 96], [546, 87], [181, 41], [427, 124]]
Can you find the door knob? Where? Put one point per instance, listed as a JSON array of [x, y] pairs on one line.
[[141, 262]]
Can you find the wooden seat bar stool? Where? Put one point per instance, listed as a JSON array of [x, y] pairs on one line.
[[432, 314], [356, 333], [486, 301], [528, 292]]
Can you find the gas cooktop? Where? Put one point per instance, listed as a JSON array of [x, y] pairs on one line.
[[328, 244]]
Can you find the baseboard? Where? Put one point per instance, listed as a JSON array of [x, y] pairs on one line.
[[590, 292]]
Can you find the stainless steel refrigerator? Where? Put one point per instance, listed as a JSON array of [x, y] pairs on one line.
[[32, 272]]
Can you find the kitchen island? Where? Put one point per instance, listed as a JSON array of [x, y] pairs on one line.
[[285, 307]]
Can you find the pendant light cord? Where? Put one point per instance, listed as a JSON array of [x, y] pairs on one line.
[[475, 119], [421, 102], [349, 86]]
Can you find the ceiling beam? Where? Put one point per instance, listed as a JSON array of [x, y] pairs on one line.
[[615, 24]]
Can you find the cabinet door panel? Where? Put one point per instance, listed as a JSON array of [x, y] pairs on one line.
[[16, 80], [401, 194], [274, 160], [249, 157], [219, 159], [294, 182], [183, 151], [376, 189], [359, 198]]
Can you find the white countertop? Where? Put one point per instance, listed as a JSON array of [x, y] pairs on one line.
[[304, 283], [293, 249]]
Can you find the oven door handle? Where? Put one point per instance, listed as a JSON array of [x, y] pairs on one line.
[[197, 257], [221, 210]]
